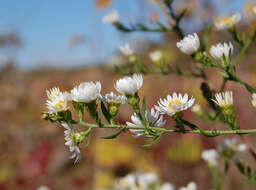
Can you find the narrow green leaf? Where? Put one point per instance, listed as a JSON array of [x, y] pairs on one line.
[[88, 142], [105, 112], [114, 135], [144, 105], [153, 141]]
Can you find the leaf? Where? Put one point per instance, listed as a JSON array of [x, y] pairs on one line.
[[144, 105], [105, 112], [153, 142], [88, 142], [114, 135]]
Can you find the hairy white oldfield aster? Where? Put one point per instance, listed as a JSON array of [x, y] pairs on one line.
[[137, 181], [167, 186], [189, 44], [220, 50], [111, 18], [210, 156], [69, 134], [254, 100], [86, 92], [190, 186], [175, 103], [151, 117], [57, 100], [233, 145], [227, 22], [129, 85], [126, 49], [224, 99], [156, 56], [113, 98]]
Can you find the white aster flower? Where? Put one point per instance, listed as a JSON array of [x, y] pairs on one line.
[[167, 186], [151, 117], [224, 99], [190, 186], [254, 100], [111, 18], [126, 49], [70, 138], [57, 100], [137, 181], [175, 103], [156, 56], [220, 50], [233, 145], [44, 187], [189, 44], [254, 10], [86, 92], [210, 156], [227, 22], [129, 85], [113, 98]]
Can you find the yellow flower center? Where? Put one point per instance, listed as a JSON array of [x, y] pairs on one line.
[[227, 20], [60, 105], [176, 102]]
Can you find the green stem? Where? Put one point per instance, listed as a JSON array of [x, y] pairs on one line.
[[164, 130]]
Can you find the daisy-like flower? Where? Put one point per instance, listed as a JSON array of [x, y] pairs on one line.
[[113, 98], [231, 146], [86, 92], [126, 49], [224, 99], [254, 10], [254, 100], [72, 142], [156, 56], [137, 181], [57, 100], [167, 186], [210, 156], [111, 18], [151, 117], [220, 50], [189, 44], [175, 103], [227, 22], [190, 186], [129, 85]]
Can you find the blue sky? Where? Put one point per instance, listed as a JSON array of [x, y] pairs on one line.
[[46, 27]]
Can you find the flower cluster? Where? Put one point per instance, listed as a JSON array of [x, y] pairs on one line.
[[229, 147], [227, 22]]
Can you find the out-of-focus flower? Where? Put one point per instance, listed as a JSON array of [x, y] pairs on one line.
[[190, 186], [175, 103], [189, 44], [57, 100], [44, 187], [227, 22], [111, 18], [224, 99], [254, 10], [156, 56], [126, 49], [113, 98], [137, 181], [86, 92], [167, 186], [152, 117], [220, 50], [254, 100], [129, 85], [72, 140], [210, 156], [229, 147]]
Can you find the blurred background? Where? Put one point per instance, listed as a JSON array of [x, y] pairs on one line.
[[45, 43]]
